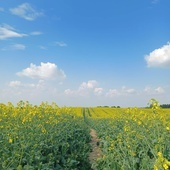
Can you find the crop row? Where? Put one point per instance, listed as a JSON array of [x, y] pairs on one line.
[[42, 137], [132, 139]]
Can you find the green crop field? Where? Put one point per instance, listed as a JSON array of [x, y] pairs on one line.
[[47, 137]]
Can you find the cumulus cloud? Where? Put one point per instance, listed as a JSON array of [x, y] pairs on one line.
[[124, 91], [7, 31], [152, 91], [46, 71], [88, 85], [159, 57], [98, 91], [112, 93], [69, 92], [26, 11], [91, 88], [85, 89]]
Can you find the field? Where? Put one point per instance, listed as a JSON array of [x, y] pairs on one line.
[[47, 137]]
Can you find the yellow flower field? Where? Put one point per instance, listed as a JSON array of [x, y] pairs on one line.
[[132, 138], [48, 137]]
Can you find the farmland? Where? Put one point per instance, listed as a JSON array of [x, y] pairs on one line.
[[49, 137]]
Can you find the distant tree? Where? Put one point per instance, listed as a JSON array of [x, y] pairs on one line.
[[165, 105]]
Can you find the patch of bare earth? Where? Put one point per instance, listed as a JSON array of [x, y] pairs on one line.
[[96, 151]]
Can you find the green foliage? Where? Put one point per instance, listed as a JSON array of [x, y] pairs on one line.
[[42, 138], [154, 105], [165, 105], [132, 139]]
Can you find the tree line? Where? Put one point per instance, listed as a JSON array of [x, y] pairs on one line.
[[165, 105]]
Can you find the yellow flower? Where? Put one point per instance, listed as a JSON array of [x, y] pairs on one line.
[[160, 154], [43, 130], [167, 162], [165, 166], [155, 168], [167, 128], [10, 140], [139, 122]]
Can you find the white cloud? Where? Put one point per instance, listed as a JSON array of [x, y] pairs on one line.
[[61, 44], [153, 91], [19, 84], [41, 90], [89, 85], [7, 31], [159, 57], [18, 47], [98, 91], [36, 91], [159, 90], [90, 88], [14, 47], [69, 92], [130, 91], [36, 33], [26, 11], [147, 90], [45, 71], [112, 93], [85, 89], [126, 90], [123, 92], [15, 84]]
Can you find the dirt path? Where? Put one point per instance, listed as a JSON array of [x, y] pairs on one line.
[[96, 151]]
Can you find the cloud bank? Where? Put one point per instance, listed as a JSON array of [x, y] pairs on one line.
[[153, 91]]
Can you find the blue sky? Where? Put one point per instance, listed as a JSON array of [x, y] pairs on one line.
[[85, 53]]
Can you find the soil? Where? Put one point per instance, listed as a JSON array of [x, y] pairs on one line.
[[96, 151]]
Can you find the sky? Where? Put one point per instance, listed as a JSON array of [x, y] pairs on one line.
[[85, 53]]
